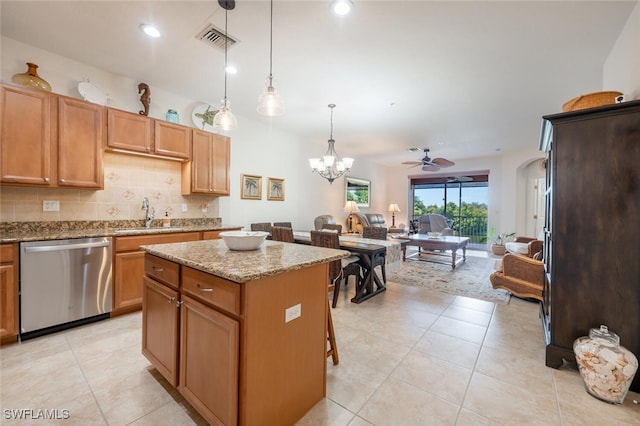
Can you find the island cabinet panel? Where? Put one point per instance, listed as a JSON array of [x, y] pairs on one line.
[[8, 292], [160, 328], [240, 361], [26, 136], [81, 130], [284, 362], [209, 348]]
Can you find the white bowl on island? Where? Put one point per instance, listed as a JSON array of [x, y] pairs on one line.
[[243, 240]]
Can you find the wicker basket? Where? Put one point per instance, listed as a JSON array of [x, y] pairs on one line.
[[591, 100]]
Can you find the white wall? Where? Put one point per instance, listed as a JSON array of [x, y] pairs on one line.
[[256, 149], [622, 67]]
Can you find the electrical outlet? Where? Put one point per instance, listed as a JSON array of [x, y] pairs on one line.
[[184, 207], [50, 205], [292, 313]]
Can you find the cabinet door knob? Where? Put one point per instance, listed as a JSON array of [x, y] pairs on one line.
[[178, 303], [46, 179], [61, 180], [205, 289], [171, 299]]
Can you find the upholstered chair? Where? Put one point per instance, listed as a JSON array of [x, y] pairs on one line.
[[525, 245], [323, 220], [521, 275], [333, 227]]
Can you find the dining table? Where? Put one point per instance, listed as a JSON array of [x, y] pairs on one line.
[[368, 250]]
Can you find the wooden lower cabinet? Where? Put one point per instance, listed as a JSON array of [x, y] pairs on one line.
[[209, 365], [8, 293], [160, 328], [128, 270], [239, 362]]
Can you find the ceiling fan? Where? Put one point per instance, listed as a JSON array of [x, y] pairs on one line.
[[429, 165]]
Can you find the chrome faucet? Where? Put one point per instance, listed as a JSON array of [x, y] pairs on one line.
[[149, 212]]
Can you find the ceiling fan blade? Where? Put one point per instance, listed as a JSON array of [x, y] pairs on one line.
[[430, 168], [413, 163], [443, 162]]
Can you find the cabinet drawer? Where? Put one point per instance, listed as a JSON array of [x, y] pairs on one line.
[[162, 270], [7, 253], [212, 290]]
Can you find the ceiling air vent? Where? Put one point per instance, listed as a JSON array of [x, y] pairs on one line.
[[215, 37]]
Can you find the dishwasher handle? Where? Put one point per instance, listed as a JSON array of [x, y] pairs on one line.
[[67, 247]]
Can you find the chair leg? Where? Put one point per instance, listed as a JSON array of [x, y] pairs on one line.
[[336, 291], [333, 347]]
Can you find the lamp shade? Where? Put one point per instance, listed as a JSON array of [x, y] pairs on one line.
[[394, 208], [350, 206]]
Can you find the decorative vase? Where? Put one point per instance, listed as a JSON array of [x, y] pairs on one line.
[[606, 367], [172, 116], [31, 78]]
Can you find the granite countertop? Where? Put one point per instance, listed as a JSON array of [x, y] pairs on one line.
[[59, 230], [272, 258]]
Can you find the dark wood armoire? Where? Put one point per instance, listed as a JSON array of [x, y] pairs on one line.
[[592, 227]]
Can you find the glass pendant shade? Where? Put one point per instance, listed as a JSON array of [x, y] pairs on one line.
[[269, 102], [224, 119], [31, 78]]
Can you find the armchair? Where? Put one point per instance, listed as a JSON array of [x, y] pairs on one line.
[[434, 223], [525, 245], [325, 219], [520, 275]]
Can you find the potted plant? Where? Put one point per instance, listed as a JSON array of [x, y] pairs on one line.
[[497, 245]]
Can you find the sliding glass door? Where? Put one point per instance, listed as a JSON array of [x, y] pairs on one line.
[[463, 200]]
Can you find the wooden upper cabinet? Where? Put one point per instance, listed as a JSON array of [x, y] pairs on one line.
[[27, 144], [208, 172], [172, 140], [80, 143], [129, 132], [136, 133]]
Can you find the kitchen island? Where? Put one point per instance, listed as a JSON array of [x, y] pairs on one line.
[[241, 334]]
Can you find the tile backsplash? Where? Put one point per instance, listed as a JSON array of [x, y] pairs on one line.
[[127, 180]]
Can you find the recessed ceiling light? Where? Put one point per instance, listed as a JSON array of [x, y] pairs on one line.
[[150, 30], [342, 7], [231, 69]]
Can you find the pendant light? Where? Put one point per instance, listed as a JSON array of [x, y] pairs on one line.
[[269, 102], [224, 119], [330, 166]]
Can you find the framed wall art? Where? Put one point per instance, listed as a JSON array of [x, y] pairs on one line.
[[251, 187], [275, 189], [357, 190]]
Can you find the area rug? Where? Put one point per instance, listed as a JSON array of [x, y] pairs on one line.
[[470, 279]]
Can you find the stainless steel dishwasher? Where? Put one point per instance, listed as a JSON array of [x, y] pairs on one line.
[[64, 283]]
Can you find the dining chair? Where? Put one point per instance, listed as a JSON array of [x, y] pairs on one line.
[[285, 224], [262, 226], [282, 233], [333, 226], [377, 233]]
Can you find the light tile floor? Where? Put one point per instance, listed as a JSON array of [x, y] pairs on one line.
[[409, 356]]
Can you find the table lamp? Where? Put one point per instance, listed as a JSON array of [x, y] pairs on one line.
[[350, 206], [393, 208]]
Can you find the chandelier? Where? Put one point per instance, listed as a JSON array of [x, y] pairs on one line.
[[331, 166]]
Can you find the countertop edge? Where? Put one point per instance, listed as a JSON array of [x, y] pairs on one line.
[[220, 270]]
